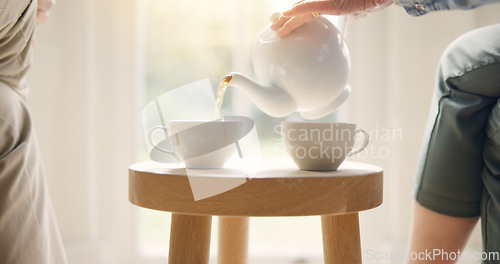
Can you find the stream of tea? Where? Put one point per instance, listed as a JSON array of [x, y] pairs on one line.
[[218, 104], [220, 96]]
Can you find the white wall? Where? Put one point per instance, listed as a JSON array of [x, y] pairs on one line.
[[85, 94]]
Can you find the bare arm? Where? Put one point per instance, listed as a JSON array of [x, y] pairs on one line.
[[302, 12], [433, 231]]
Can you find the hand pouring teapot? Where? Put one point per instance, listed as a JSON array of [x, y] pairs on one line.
[[305, 72]]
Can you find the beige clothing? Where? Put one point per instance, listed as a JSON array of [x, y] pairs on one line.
[[28, 230]]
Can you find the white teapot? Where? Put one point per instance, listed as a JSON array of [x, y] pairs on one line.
[[305, 72]]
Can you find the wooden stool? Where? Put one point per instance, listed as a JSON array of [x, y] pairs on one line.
[[279, 189]]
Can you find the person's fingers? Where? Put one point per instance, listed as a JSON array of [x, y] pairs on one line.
[[299, 2], [304, 8], [42, 16], [292, 24], [279, 23], [44, 7]]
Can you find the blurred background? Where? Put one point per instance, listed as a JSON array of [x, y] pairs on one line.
[[97, 63]]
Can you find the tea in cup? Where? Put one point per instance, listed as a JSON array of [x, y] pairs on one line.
[[199, 144], [321, 146]]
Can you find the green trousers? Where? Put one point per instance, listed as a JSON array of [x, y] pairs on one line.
[[459, 170]]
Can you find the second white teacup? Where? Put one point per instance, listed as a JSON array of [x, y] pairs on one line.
[[321, 146], [199, 144]]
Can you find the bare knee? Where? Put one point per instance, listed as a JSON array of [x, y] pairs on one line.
[[471, 63]]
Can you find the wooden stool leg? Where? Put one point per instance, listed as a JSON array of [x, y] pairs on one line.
[[190, 239], [341, 243], [233, 240]]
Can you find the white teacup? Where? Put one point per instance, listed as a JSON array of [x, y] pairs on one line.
[[321, 146], [199, 144]]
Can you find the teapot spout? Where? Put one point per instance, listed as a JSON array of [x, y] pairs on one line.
[[272, 100]]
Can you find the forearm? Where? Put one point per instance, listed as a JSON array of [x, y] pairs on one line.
[[435, 232]]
